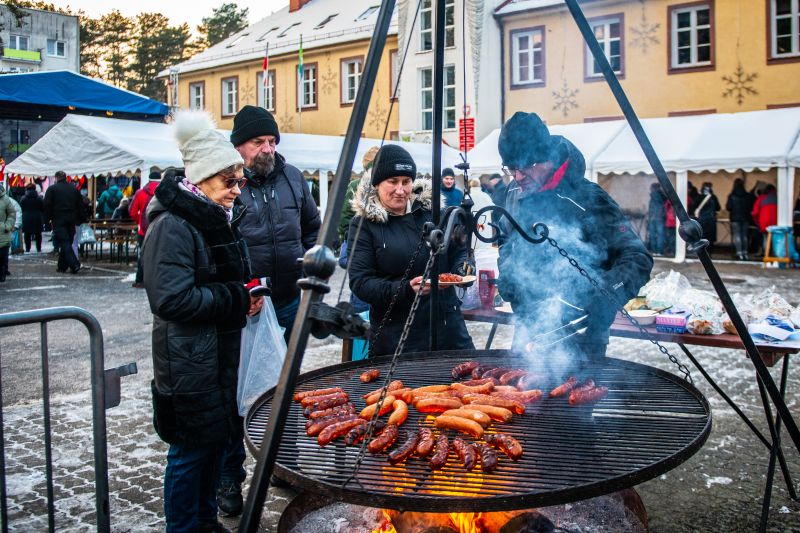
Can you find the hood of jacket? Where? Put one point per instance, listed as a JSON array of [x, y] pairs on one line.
[[201, 213], [366, 204]]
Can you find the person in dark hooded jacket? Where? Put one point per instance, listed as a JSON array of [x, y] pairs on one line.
[[452, 194], [545, 292], [32, 217], [392, 206], [195, 268], [656, 215], [738, 206]]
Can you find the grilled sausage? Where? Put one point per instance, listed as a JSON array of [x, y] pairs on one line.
[[496, 372], [404, 451], [439, 457], [464, 369], [478, 382], [403, 394], [384, 440], [511, 377], [528, 382], [369, 375], [318, 425], [338, 410], [564, 388], [394, 385], [512, 405], [437, 405], [477, 416], [400, 413], [587, 396], [356, 435], [498, 414], [488, 458], [503, 388], [316, 392], [386, 406], [508, 444], [425, 443], [477, 373], [431, 388], [477, 389], [314, 400], [529, 396], [339, 429], [463, 425], [466, 452], [326, 404]]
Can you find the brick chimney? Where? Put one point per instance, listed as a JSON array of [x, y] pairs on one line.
[[295, 5]]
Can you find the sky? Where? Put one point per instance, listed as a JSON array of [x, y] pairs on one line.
[[177, 12]]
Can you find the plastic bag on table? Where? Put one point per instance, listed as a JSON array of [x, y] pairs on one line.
[[263, 350], [795, 317], [703, 304], [665, 289], [745, 307], [770, 303], [709, 325], [86, 235]]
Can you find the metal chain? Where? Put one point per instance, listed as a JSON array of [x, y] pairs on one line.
[[572, 261], [395, 358]]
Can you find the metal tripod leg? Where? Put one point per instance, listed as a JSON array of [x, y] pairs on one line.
[[491, 336]]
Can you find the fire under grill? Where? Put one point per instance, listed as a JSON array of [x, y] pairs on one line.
[[650, 422]]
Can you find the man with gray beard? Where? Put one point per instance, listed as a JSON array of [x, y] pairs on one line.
[[548, 185], [279, 225]]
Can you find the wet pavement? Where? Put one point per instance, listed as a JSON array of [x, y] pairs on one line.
[[718, 489]]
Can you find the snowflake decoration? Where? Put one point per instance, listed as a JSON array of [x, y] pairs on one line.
[[286, 122], [646, 34], [328, 79], [565, 99], [377, 114], [248, 93], [739, 84]]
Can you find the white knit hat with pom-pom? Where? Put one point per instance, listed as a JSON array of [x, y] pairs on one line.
[[205, 150]]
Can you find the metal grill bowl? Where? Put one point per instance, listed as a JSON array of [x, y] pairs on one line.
[[650, 422]]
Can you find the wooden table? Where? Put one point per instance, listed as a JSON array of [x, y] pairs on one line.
[[771, 354]]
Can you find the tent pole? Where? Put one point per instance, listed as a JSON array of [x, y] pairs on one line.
[[323, 190], [690, 229], [682, 185], [785, 195]]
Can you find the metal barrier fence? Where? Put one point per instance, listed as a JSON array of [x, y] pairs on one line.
[[105, 394]]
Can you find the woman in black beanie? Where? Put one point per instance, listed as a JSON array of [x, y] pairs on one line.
[[391, 206]]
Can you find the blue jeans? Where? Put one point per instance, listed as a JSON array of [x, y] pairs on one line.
[[233, 466], [190, 483]]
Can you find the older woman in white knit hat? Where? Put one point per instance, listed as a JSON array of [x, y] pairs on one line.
[[195, 268]]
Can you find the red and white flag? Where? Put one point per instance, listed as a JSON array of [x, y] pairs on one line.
[[265, 65]]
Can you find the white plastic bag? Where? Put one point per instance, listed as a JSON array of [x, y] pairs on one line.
[[86, 235], [263, 350]]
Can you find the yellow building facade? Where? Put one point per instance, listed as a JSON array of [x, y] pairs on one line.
[[672, 57], [334, 41]]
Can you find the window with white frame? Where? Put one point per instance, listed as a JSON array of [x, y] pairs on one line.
[[527, 56], [230, 96], [785, 28], [426, 26], [266, 91], [367, 13], [351, 75], [608, 32], [18, 42], [197, 95], [449, 23], [426, 98], [309, 87], [56, 48], [690, 35]]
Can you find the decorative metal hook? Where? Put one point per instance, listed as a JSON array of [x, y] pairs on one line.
[[540, 230]]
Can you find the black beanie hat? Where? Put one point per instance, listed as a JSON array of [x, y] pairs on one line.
[[154, 176], [448, 172], [252, 121], [524, 140], [393, 160]]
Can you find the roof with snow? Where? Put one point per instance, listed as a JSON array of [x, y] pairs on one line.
[[319, 22], [516, 6]]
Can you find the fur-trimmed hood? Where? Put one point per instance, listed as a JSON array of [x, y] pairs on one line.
[[365, 201]]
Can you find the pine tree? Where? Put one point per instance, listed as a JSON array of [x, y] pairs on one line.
[[155, 46], [223, 22], [115, 44]]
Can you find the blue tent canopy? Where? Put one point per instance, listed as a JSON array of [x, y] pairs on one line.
[[67, 91]]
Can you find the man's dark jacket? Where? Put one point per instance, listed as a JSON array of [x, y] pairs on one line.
[[590, 226], [279, 226], [195, 263], [63, 205], [380, 256]]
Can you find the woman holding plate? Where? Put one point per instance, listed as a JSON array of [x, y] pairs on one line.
[[391, 207]]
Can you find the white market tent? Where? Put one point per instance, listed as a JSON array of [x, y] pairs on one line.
[[95, 145], [590, 138]]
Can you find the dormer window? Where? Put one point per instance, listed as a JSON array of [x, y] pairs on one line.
[[327, 20], [366, 14], [284, 32], [237, 40], [264, 35]]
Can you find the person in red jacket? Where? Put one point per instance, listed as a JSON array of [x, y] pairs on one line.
[[765, 211], [137, 212]]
